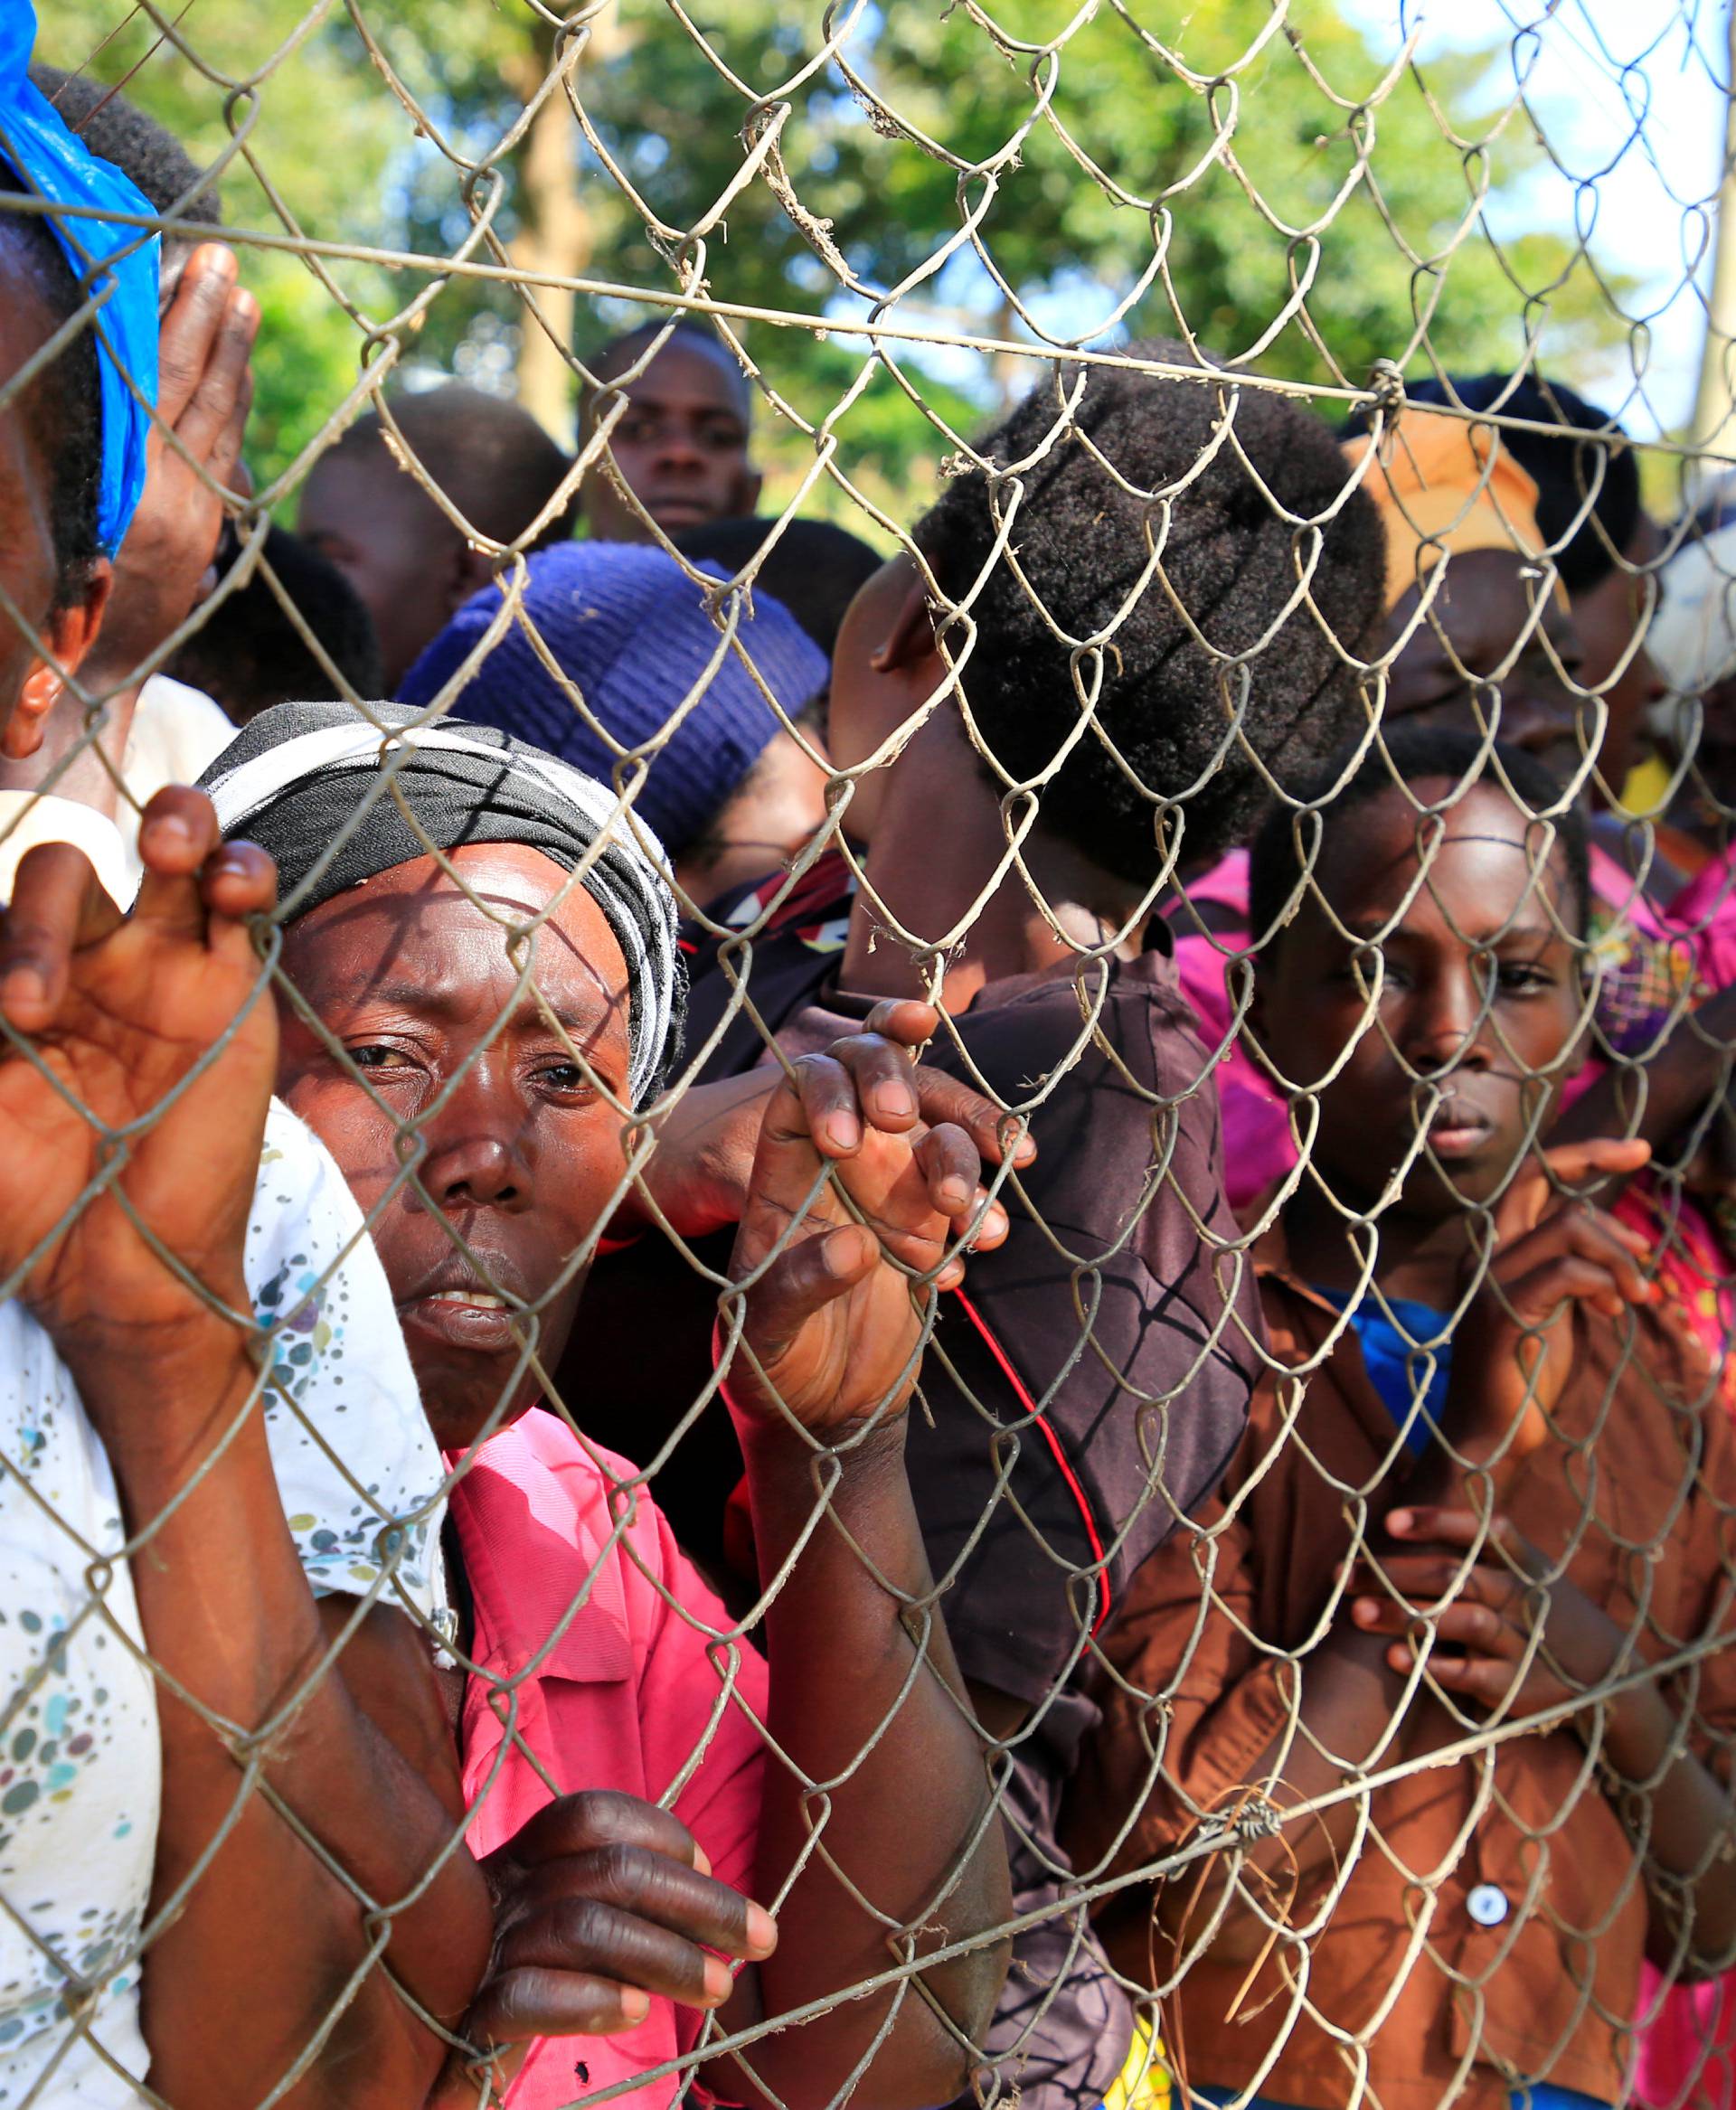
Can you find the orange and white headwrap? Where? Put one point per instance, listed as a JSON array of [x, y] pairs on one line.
[[1444, 487]]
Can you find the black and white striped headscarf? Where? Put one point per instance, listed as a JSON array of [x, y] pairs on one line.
[[308, 782]]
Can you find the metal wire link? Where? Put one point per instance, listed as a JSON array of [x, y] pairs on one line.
[[895, 224]]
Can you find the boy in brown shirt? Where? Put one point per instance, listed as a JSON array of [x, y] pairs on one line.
[[1461, 1505]]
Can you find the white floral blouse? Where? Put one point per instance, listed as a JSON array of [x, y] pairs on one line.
[[80, 1762]]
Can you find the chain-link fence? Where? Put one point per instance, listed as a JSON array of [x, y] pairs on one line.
[[1167, 564]]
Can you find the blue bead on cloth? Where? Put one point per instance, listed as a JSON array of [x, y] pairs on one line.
[[115, 265], [1390, 1339]]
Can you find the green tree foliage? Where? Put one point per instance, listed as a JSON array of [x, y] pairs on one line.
[[1260, 179]]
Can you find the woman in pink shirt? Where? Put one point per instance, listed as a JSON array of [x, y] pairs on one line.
[[634, 1770]]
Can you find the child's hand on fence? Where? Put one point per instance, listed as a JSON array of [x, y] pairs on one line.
[[833, 1327], [601, 1903], [1515, 1347], [1499, 1634], [117, 1011]]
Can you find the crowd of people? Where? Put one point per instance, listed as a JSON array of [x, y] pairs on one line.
[[798, 1326]]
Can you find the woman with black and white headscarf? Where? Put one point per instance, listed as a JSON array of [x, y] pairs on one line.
[[484, 990]]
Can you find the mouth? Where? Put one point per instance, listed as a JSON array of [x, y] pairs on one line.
[[1458, 1130], [678, 512], [455, 1310]]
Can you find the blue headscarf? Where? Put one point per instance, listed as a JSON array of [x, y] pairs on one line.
[[49, 161]]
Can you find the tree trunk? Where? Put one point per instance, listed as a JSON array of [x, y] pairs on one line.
[[555, 235], [1715, 403]]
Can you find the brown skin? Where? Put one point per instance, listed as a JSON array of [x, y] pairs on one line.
[[931, 822], [1479, 996], [1607, 617], [1478, 618], [1484, 625], [409, 564], [680, 446], [205, 387], [61, 619], [120, 1010], [603, 1903], [775, 811]]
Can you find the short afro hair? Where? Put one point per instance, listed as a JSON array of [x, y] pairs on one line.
[[624, 348], [62, 407], [1408, 755], [248, 656], [1592, 454], [105, 121], [1130, 446], [490, 457]]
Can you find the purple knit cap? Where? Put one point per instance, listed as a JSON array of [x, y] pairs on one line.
[[631, 632]]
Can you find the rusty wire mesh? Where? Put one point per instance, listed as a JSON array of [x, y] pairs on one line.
[[1478, 1927]]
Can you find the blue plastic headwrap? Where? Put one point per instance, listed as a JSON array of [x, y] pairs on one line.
[[48, 160]]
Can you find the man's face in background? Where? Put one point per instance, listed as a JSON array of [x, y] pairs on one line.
[[681, 445]]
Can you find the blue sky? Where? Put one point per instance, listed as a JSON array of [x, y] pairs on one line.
[[1629, 96]]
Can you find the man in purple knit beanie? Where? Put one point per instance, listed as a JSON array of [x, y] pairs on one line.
[[729, 791]]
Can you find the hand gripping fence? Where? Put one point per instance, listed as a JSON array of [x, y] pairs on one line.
[[1259, 1634]]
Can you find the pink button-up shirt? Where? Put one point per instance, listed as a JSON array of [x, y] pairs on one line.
[[619, 1695]]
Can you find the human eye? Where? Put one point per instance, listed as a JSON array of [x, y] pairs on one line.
[[377, 1055], [1522, 977], [1367, 967], [564, 1079]]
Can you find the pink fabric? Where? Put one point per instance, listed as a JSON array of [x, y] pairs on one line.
[[1257, 1144], [620, 1700], [1687, 2052], [1707, 908]]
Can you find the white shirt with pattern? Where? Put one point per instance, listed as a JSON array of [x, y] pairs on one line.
[[80, 1758]]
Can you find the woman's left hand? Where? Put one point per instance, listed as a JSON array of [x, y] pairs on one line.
[[603, 1903], [1504, 1635], [834, 1326]]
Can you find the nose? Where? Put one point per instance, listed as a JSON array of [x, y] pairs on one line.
[[476, 1155], [1446, 1024], [1538, 719], [677, 446]]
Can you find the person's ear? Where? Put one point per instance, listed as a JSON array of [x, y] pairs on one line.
[[747, 487], [908, 645], [68, 632], [468, 571]]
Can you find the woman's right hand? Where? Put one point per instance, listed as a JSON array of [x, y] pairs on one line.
[[116, 1015], [698, 1175], [1513, 1350], [602, 1903]]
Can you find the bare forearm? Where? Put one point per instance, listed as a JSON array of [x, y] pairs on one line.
[[900, 1816], [1690, 1827], [228, 1616]]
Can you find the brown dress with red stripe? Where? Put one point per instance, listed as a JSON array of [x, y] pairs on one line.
[[1088, 1384]]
